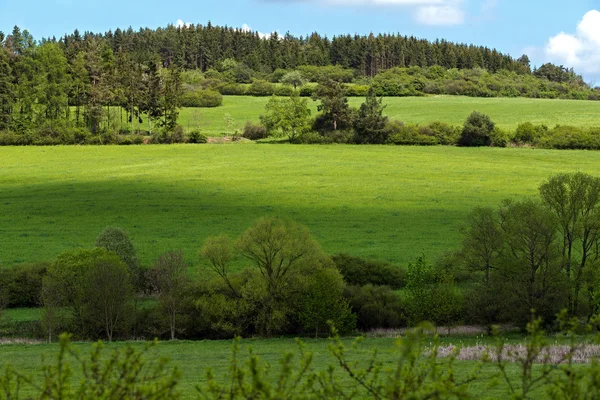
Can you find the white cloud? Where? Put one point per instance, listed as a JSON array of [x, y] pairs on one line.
[[181, 24], [428, 12], [247, 28], [579, 50], [450, 14]]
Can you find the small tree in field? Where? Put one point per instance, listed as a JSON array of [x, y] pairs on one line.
[[287, 116], [109, 287], [323, 302], [477, 131], [92, 286], [370, 124], [117, 240], [294, 79], [170, 280]]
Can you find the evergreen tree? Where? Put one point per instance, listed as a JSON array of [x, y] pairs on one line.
[[54, 88], [336, 112], [80, 85], [6, 91], [172, 92], [370, 124]]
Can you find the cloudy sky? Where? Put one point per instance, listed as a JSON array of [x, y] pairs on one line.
[[564, 32]]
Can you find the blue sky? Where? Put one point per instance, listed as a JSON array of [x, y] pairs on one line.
[[550, 30]]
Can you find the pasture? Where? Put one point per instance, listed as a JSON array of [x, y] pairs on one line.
[[382, 202], [508, 113], [193, 358]]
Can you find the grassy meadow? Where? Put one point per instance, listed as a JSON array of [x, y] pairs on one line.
[[383, 202], [508, 113], [193, 358]]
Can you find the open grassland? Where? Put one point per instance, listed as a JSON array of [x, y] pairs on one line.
[[192, 358], [508, 113], [384, 202]]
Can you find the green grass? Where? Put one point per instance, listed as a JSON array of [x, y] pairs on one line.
[[383, 202], [22, 314], [192, 358], [506, 112]]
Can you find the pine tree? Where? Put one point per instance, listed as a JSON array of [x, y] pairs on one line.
[[54, 88], [370, 124], [172, 92], [80, 85], [6, 90]]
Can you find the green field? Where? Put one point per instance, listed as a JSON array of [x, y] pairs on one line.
[[506, 112], [383, 202], [192, 358]]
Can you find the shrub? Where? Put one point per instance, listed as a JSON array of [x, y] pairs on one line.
[[409, 135], [477, 131], [444, 133], [233, 89], [196, 136], [284, 91], [22, 284], [357, 90], [307, 91], [202, 98], [431, 296], [376, 307], [527, 133], [261, 88], [499, 138], [360, 272], [254, 132]]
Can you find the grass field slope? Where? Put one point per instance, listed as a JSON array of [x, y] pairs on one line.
[[383, 202], [508, 113]]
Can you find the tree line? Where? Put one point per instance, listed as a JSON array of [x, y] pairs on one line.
[[539, 254]]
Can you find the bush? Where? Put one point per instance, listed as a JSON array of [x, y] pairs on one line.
[[233, 89], [23, 284], [357, 90], [527, 133], [202, 98], [196, 136], [401, 134], [444, 133], [376, 307], [477, 131], [254, 132], [360, 272], [284, 91], [261, 88], [307, 91]]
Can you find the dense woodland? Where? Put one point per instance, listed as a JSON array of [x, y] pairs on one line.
[[79, 87]]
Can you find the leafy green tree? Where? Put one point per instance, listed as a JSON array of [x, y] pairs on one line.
[[431, 295], [80, 84], [574, 202], [172, 93], [108, 285], [152, 98], [530, 267], [288, 116], [482, 242], [477, 130], [323, 302], [170, 281], [294, 79], [116, 240], [6, 90], [371, 124], [334, 107], [93, 286], [54, 88]]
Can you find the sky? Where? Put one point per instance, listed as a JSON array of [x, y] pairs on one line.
[[563, 32]]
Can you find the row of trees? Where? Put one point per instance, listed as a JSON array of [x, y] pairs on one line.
[[43, 88], [204, 47]]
